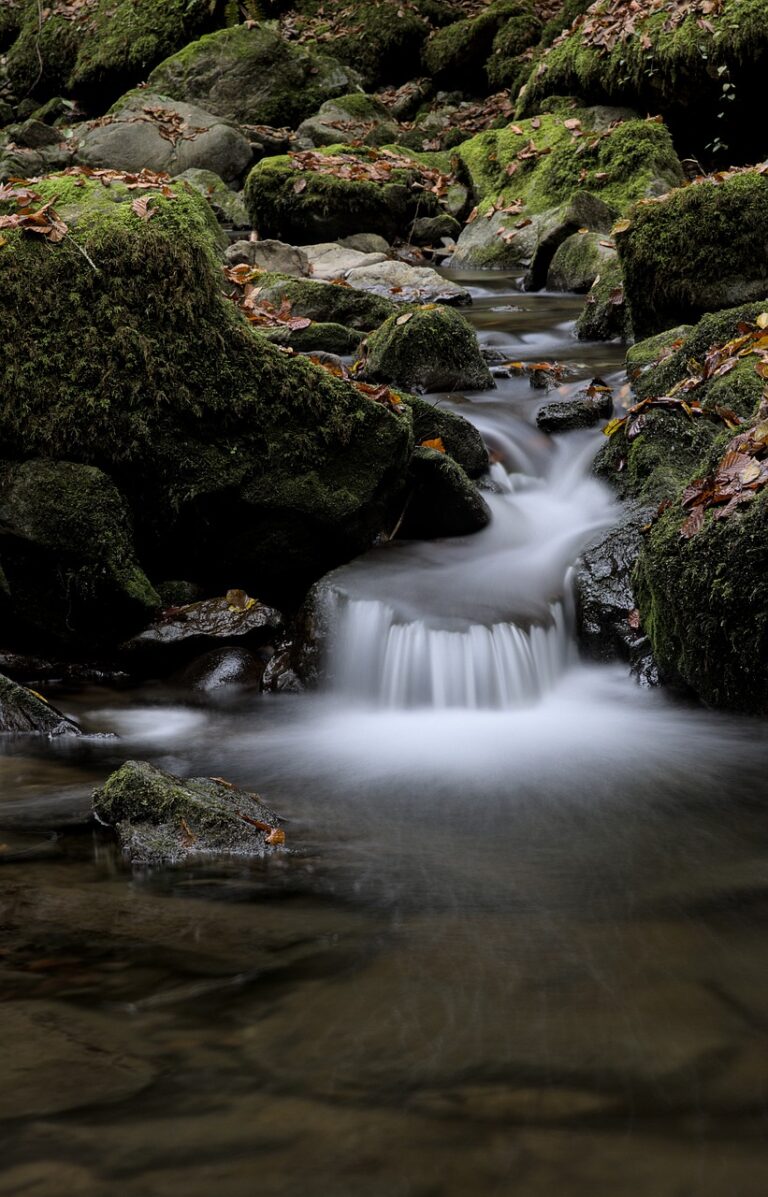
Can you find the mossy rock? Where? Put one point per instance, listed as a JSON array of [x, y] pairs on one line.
[[507, 64], [305, 207], [253, 76], [66, 543], [458, 54], [160, 818], [570, 182], [461, 439], [700, 249], [326, 303], [238, 461], [605, 315], [102, 50], [228, 206], [318, 337], [22, 712], [677, 70], [357, 117], [442, 501], [383, 43], [427, 349], [579, 261]]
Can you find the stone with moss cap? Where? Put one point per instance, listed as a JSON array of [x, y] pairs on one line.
[[325, 302], [605, 315], [66, 544], [23, 712], [382, 41], [356, 117], [237, 460], [431, 348], [253, 76], [161, 818], [589, 160], [308, 205], [578, 261], [700, 249], [479, 49], [227, 205], [461, 439]]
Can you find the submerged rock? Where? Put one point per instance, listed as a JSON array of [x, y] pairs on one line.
[[162, 819], [584, 410], [22, 712], [429, 349]]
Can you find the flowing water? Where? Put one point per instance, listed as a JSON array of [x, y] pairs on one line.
[[518, 947]]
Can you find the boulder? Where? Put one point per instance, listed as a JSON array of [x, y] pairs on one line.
[[253, 76], [431, 230], [381, 39], [228, 205], [537, 183], [578, 261], [317, 337], [470, 53], [366, 243], [66, 544], [707, 67], [442, 499], [584, 410], [331, 261], [162, 819], [147, 130], [328, 303], [605, 315], [222, 668], [310, 197], [23, 712], [236, 459], [186, 631], [699, 249], [408, 284], [460, 439], [270, 256], [353, 118], [429, 349], [21, 162]]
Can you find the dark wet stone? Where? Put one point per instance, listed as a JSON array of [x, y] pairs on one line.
[[280, 675], [583, 411], [181, 632], [24, 713], [223, 667], [443, 500]]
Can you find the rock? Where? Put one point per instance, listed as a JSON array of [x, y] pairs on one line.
[[148, 130], [429, 349], [253, 76], [688, 92], [327, 303], [584, 410], [20, 162], [408, 284], [34, 134], [353, 118], [366, 243], [236, 459], [382, 41], [569, 183], [159, 818], [57, 1058], [477, 50], [578, 261], [228, 206], [187, 630], [431, 230], [330, 261], [23, 712], [280, 676], [269, 255], [698, 250], [443, 501], [291, 197], [606, 608], [222, 667], [66, 544], [318, 338], [461, 439], [605, 315]]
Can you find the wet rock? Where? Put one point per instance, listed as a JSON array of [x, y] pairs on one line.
[[23, 712], [185, 630], [269, 255], [160, 818], [606, 608], [330, 261], [253, 76], [443, 500], [461, 439], [57, 1058], [223, 667], [408, 284], [586, 409], [429, 349], [141, 129], [228, 205], [280, 675]]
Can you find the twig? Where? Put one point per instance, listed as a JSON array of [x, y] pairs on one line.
[[398, 525], [84, 252]]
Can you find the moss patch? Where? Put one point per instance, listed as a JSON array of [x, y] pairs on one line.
[[428, 349]]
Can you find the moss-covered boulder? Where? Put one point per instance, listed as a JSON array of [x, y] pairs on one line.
[[325, 302], [442, 500], [253, 76], [66, 544], [702, 67], [353, 118], [381, 40], [306, 198], [429, 349], [228, 205], [318, 337], [699, 249], [485, 48], [146, 130], [238, 461], [700, 579], [459, 438], [163, 819], [538, 182], [23, 713], [97, 50], [605, 315], [578, 261]]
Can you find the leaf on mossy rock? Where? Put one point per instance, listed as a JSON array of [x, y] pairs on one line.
[[435, 443]]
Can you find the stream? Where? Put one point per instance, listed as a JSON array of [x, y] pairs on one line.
[[518, 946]]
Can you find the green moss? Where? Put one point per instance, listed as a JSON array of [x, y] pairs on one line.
[[578, 262], [601, 318], [327, 303], [461, 439], [435, 349], [505, 67], [318, 337], [696, 251], [456, 55], [384, 43]]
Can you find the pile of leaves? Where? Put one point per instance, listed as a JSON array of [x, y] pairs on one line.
[[32, 215], [740, 474], [375, 166], [144, 180], [68, 10], [170, 124]]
